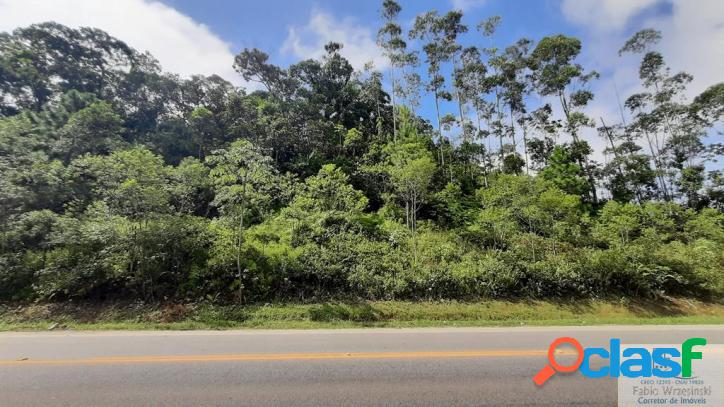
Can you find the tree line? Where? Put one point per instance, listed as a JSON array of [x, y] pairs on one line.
[[121, 181]]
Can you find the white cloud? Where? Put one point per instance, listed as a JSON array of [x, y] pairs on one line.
[[693, 41], [466, 5], [693, 34], [181, 44], [603, 14], [359, 42]]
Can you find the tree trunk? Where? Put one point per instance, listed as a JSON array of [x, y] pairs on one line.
[[512, 130], [460, 102], [439, 129], [394, 109], [583, 162], [239, 241], [525, 147]]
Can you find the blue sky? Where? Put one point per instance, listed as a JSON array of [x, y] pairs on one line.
[[193, 36], [265, 25], [274, 24]]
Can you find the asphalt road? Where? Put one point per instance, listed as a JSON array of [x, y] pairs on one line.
[[467, 366]]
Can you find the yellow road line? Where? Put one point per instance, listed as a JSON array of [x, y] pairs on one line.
[[277, 356]]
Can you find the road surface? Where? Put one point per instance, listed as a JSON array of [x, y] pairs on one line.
[[449, 366]]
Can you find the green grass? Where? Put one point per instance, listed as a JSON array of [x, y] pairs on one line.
[[395, 314]]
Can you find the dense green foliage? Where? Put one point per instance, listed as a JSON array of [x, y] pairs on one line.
[[120, 181]]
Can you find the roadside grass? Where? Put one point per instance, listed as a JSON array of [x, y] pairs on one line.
[[393, 314]]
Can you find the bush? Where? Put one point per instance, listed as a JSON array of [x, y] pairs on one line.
[[104, 255], [381, 271], [485, 276]]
